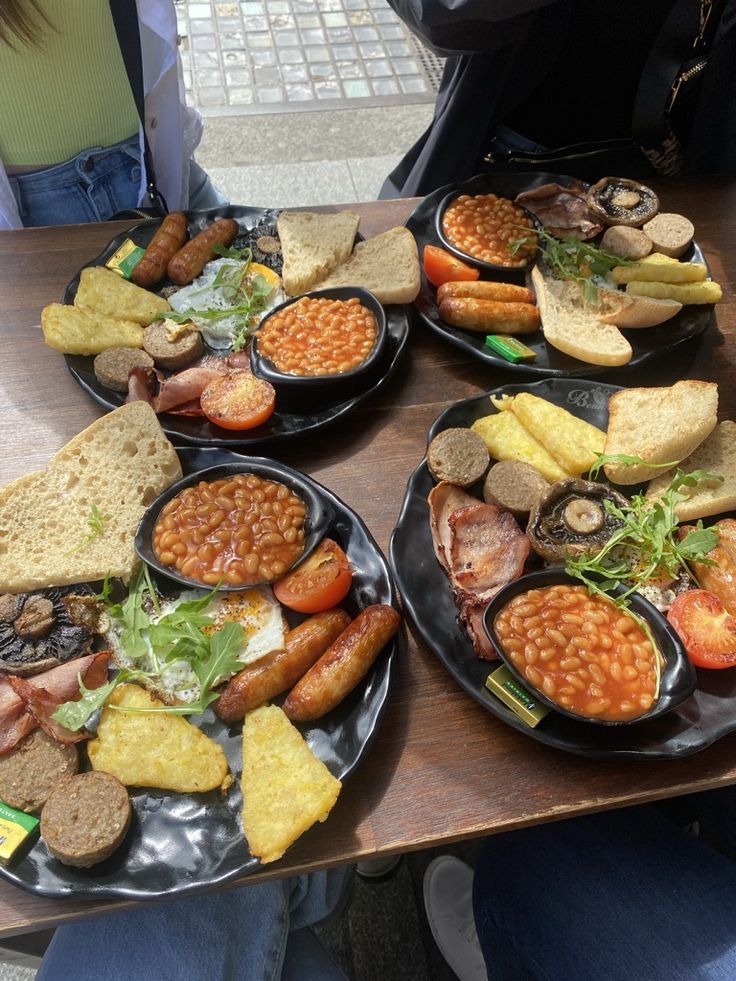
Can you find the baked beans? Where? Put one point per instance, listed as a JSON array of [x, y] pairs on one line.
[[582, 651], [237, 531], [318, 336], [483, 225]]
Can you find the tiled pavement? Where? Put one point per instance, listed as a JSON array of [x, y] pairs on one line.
[[257, 56]]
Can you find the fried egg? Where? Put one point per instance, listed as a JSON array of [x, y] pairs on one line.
[[256, 610], [204, 297]]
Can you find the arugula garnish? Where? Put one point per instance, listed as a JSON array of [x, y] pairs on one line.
[[178, 635], [573, 259], [647, 542], [96, 523]]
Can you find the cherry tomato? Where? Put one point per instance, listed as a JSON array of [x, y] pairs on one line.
[[238, 400], [318, 583], [443, 267], [705, 627]]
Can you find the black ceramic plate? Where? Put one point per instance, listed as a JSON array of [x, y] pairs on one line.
[[647, 344], [425, 589], [183, 843], [291, 418]]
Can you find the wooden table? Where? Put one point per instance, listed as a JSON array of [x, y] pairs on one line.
[[442, 768]]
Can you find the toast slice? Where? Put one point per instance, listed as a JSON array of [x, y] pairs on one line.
[[387, 265], [118, 465], [313, 244], [659, 425], [717, 455], [571, 324]]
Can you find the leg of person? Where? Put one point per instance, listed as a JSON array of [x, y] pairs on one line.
[[615, 896], [202, 192], [241, 933], [306, 958]]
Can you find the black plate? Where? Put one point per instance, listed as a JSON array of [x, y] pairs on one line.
[[425, 590], [291, 419], [184, 843], [647, 343], [319, 514]]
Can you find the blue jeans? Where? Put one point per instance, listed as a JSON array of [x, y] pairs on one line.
[[620, 896], [95, 185], [253, 933]]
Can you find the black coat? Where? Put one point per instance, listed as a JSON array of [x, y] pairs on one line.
[[498, 52]]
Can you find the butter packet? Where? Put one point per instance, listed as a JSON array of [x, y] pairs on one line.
[[505, 686], [126, 258], [16, 830]]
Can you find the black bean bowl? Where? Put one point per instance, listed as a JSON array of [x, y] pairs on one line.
[[318, 518], [310, 384], [677, 678]]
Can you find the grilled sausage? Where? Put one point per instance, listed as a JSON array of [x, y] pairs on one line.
[[490, 315], [481, 289], [163, 247], [85, 818], [343, 664], [190, 260], [270, 675]]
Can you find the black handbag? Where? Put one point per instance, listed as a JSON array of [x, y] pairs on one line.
[[663, 108], [125, 19]]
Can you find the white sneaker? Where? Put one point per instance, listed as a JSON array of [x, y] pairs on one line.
[[448, 901]]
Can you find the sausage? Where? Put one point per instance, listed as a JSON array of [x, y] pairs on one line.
[[721, 577], [482, 289], [163, 247], [269, 676], [190, 260], [343, 664], [490, 315]]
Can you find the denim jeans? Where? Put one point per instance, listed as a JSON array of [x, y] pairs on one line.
[[253, 933], [95, 185], [620, 896]]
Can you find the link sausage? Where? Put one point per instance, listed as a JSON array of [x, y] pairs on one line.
[[270, 675], [190, 260], [490, 315], [482, 289], [163, 247], [343, 665]]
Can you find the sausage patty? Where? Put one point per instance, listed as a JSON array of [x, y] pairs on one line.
[[85, 818], [29, 772], [172, 355], [113, 366]]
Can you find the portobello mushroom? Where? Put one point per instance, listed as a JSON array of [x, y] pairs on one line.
[[619, 201], [571, 518], [40, 630]]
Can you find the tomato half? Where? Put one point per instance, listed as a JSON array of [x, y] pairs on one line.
[[318, 583], [238, 400], [443, 267], [706, 628]]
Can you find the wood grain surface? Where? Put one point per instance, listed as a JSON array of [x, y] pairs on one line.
[[441, 768]]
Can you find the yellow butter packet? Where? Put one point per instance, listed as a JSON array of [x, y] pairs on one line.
[[16, 828]]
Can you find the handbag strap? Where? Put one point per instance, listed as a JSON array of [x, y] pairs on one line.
[[125, 19], [680, 40]]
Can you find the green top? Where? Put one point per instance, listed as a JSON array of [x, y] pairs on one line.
[[68, 92]]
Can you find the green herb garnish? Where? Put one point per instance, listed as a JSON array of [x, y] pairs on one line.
[[96, 524], [573, 259]]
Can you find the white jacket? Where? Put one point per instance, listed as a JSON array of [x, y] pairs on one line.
[[173, 129]]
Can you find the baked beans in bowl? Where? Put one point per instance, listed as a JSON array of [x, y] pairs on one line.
[[482, 227], [233, 526], [584, 656], [325, 337]]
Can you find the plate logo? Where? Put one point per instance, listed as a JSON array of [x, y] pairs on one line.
[[595, 398]]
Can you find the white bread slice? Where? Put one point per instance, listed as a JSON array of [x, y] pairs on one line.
[[717, 455], [629, 311], [119, 464], [313, 244], [571, 324], [660, 425], [387, 265]]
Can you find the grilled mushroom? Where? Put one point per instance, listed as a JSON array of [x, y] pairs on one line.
[[43, 629], [571, 518], [619, 201]]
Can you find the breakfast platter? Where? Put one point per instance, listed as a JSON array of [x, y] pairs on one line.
[[640, 346], [183, 840], [694, 722], [294, 415]]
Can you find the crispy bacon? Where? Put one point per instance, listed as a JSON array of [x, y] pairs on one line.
[[176, 391], [562, 210], [443, 500], [15, 719]]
